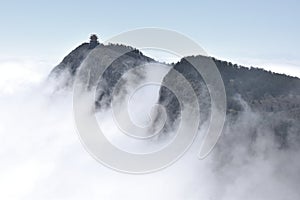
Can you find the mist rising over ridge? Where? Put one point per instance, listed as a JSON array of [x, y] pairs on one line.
[[260, 140], [256, 157], [263, 90]]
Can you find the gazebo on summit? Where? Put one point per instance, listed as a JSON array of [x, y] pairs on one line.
[[93, 41]]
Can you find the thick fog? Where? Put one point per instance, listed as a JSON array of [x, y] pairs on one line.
[[41, 156]]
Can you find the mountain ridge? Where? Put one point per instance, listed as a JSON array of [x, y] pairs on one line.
[[260, 88]]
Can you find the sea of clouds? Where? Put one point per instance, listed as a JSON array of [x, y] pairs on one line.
[[41, 156]]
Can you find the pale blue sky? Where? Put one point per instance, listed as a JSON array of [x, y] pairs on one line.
[[252, 31]]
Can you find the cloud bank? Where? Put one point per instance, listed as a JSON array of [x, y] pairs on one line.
[[42, 158]]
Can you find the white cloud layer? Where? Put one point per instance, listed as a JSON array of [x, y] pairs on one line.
[[41, 156]]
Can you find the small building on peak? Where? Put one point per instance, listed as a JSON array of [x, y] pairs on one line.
[[93, 41]]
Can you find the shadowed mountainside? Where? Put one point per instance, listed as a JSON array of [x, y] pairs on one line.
[[65, 72], [262, 90]]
